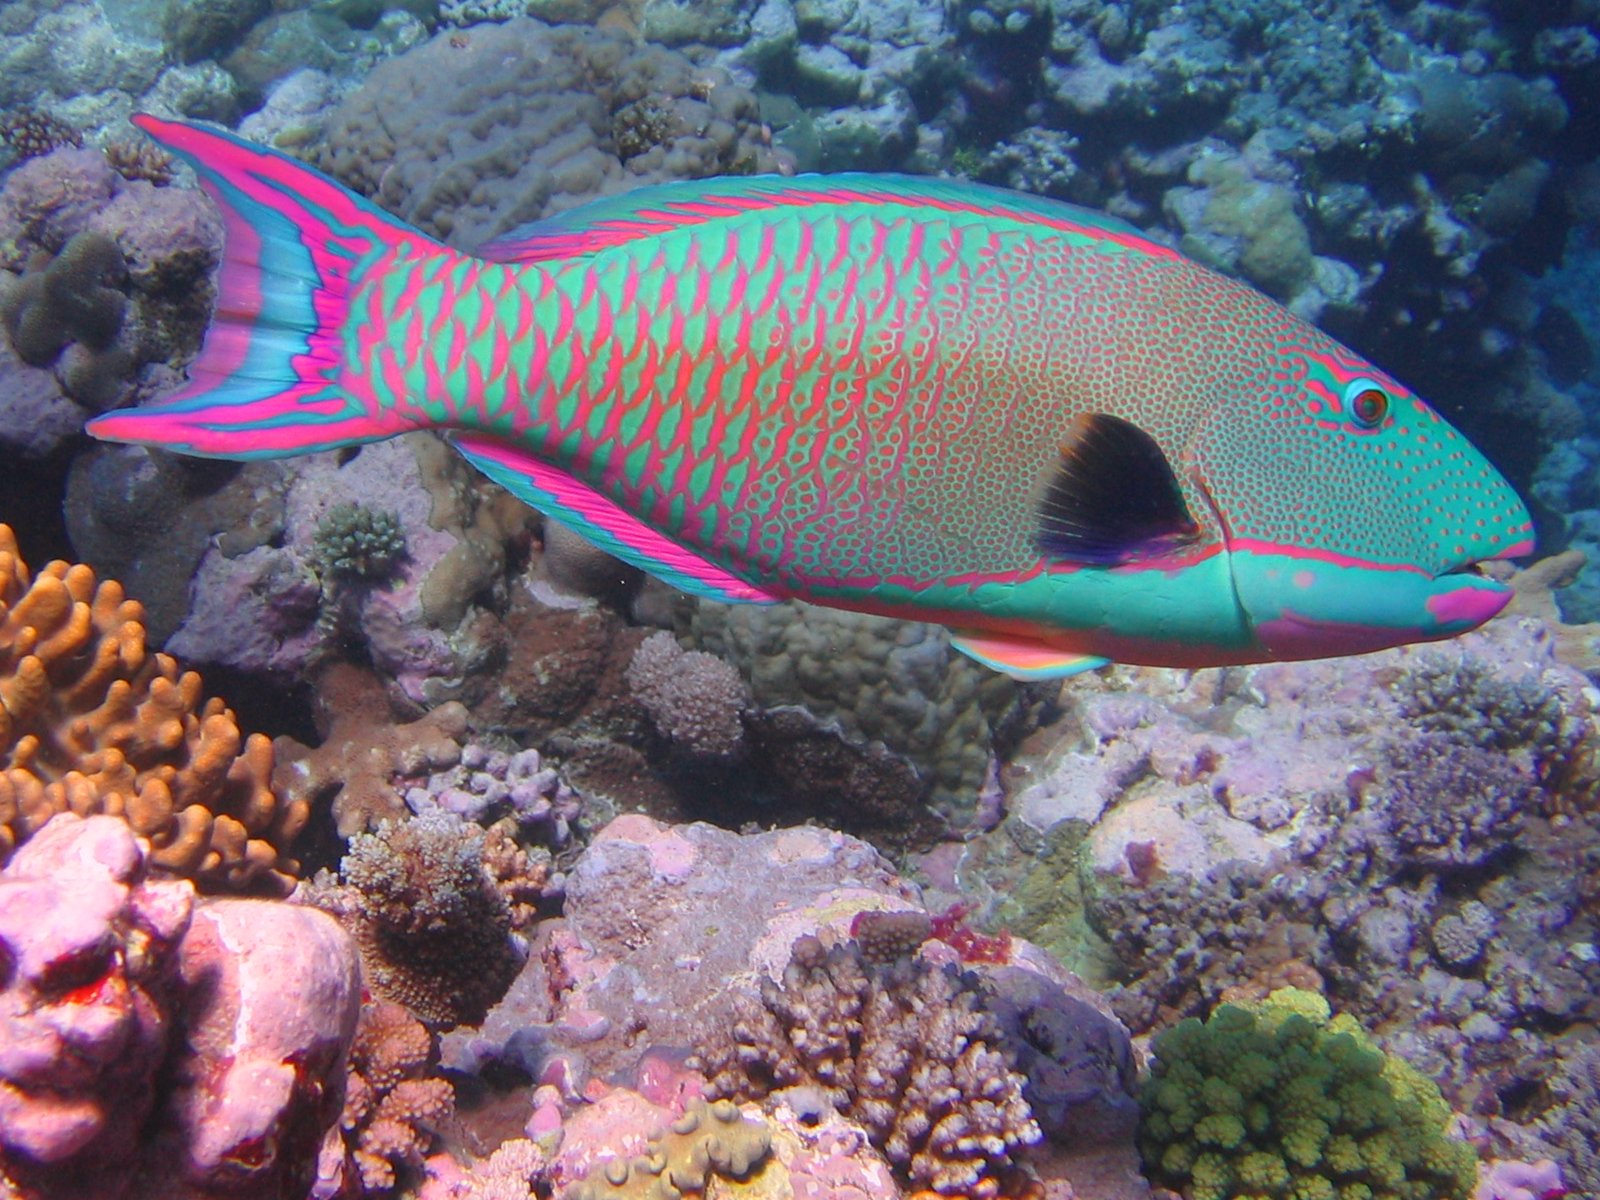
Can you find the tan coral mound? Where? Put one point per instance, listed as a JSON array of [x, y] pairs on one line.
[[92, 722]]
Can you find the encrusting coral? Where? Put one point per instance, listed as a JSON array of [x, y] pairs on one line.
[[904, 1048], [92, 722], [1280, 1098], [708, 1139]]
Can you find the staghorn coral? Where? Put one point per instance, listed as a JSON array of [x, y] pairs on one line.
[[393, 1102], [91, 722], [905, 1049], [433, 927], [708, 1139], [1282, 1098]]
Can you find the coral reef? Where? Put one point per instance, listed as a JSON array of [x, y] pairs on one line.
[[260, 605], [1277, 1098], [104, 279], [627, 965], [433, 927], [904, 1048], [91, 721], [429, 135], [893, 682], [152, 1047]]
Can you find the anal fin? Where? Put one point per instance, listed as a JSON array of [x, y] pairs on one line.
[[1023, 658], [603, 523]]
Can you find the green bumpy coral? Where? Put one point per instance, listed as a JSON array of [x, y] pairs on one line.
[[360, 544], [1282, 1099]]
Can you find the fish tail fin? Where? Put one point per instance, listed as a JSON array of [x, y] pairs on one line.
[[275, 377]]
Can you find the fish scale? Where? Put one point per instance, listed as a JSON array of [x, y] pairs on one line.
[[917, 398]]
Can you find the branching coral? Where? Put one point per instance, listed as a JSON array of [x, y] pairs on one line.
[[1281, 1099], [708, 1139], [91, 722], [434, 930], [393, 1104], [904, 1048], [31, 133]]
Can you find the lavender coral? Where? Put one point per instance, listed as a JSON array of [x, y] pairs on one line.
[[906, 1049]]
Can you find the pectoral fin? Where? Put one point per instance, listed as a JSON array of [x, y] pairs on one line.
[[1113, 498], [1022, 658]]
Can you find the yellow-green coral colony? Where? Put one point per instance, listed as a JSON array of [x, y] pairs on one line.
[[708, 1139], [1282, 1099]]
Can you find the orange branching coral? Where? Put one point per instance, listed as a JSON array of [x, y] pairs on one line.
[[91, 722], [394, 1104]]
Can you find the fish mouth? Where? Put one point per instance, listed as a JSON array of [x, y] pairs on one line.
[[1467, 594]]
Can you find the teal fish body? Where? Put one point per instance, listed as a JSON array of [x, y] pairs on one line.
[[909, 397]]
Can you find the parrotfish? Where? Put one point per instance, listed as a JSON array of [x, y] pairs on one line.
[[912, 397]]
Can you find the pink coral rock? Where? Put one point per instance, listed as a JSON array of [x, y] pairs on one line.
[[86, 1009], [278, 989], [152, 1046]]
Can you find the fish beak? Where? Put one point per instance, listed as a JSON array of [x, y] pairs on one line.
[[1464, 597]]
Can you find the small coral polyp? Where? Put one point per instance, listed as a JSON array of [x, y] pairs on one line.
[[92, 722]]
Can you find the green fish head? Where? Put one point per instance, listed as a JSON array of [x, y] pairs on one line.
[[1353, 515]]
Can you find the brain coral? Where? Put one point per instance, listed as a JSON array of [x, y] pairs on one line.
[[92, 722], [904, 1048], [475, 133], [1279, 1098]]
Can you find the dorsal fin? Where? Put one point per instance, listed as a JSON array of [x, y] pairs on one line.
[[1113, 497], [613, 220], [600, 521]]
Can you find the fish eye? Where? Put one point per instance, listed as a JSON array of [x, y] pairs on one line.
[[1367, 403]]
